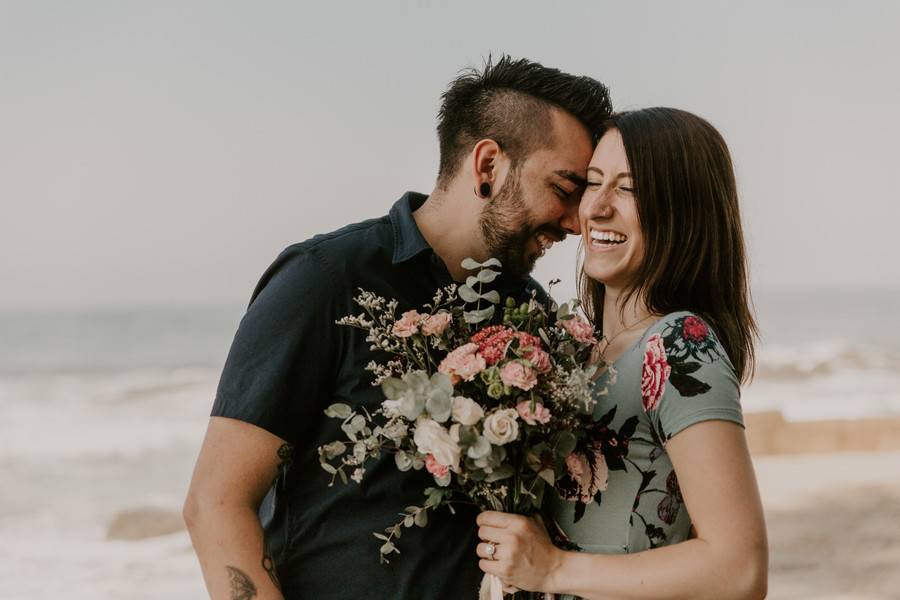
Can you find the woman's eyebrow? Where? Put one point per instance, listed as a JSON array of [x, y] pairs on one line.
[[600, 172]]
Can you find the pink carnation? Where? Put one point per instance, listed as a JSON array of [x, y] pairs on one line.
[[540, 361], [492, 342], [655, 372], [436, 324], [464, 363], [579, 329], [408, 324], [515, 374], [434, 467], [540, 415]]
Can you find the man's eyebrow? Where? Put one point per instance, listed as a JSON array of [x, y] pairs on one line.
[[600, 172], [572, 176]]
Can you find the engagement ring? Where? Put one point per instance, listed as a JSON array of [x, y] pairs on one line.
[[491, 548]]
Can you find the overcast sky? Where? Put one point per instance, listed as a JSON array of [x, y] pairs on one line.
[[163, 153]]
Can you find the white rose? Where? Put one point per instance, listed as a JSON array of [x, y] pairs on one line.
[[501, 426], [466, 411], [431, 438]]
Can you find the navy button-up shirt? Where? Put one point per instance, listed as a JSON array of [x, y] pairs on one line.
[[289, 361]]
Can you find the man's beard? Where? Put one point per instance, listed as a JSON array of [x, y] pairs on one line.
[[507, 228]]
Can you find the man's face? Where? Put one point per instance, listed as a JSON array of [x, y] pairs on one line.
[[538, 202]]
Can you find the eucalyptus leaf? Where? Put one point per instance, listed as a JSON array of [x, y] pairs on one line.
[[328, 468], [471, 281], [468, 294], [393, 388], [338, 411], [403, 461], [487, 275], [421, 518], [492, 262], [381, 536], [343, 476], [470, 264], [492, 296], [477, 316]]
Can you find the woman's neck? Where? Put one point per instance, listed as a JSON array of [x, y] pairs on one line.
[[624, 321]]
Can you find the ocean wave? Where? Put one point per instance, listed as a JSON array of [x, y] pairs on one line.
[[127, 413], [824, 358]]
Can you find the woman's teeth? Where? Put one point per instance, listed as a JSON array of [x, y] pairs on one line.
[[607, 238]]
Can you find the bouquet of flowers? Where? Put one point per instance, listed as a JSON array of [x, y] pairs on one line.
[[493, 412]]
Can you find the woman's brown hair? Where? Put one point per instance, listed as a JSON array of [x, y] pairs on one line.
[[694, 257]]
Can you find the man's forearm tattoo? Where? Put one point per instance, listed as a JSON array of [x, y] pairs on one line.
[[242, 587]]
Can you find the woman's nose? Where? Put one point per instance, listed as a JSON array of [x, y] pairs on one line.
[[596, 205]]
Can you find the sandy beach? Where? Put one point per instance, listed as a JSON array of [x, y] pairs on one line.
[[831, 491], [107, 525], [833, 512]]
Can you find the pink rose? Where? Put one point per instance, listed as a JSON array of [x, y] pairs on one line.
[[464, 363], [590, 475], [515, 374], [434, 467], [656, 371], [694, 329], [579, 329], [540, 361], [408, 324], [540, 415], [436, 324]]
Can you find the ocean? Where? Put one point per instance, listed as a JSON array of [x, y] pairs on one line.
[[103, 413]]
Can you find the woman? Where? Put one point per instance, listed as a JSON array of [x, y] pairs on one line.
[[665, 279]]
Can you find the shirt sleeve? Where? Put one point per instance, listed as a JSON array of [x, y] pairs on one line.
[[687, 378], [282, 363]]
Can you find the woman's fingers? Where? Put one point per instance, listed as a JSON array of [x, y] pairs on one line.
[[488, 550], [493, 534]]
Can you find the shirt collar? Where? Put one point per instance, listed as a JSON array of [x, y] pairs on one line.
[[408, 240]]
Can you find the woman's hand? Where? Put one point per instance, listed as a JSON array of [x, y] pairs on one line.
[[523, 557]]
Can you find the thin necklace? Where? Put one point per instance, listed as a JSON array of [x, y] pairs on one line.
[[609, 341]]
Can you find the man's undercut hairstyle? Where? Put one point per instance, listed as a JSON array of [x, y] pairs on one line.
[[510, 102]]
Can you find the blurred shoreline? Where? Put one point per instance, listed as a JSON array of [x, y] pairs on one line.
[[104, 413]]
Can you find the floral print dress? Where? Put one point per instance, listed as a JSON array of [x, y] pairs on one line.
[[622, 493]]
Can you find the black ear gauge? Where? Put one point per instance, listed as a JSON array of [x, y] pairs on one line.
[[485, 190]]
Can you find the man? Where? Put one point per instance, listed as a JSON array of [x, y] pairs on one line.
[[515, 141]]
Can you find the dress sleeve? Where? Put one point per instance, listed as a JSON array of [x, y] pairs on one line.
[[687, 377], [283, 360]]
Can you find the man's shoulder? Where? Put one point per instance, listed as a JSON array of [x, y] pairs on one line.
[[368, 235], [326, 256]]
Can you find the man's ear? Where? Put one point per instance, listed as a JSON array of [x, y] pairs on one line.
[[488, 167]]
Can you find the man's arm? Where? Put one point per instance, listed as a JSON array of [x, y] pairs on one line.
[[235, 469]]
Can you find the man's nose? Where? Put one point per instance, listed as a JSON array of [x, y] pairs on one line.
[[570, 221]]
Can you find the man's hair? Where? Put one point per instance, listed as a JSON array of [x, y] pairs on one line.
[[510, 102]]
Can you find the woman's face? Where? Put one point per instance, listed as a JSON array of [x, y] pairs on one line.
[[610, 227]]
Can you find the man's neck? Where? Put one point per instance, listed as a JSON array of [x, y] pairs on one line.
[[448, 220]]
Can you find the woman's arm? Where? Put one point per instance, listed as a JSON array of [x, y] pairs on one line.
[[728, 558]]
